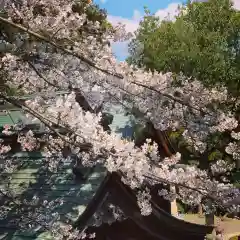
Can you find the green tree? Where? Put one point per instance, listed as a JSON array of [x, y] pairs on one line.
[[203, 42]]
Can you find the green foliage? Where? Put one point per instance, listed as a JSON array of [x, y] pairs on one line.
[[176, 135], [180, 208], [236, 178], [203, 42], [138, 131], [94, 13], [215, 155]]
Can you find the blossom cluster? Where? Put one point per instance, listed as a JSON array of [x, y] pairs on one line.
[[70, 61]]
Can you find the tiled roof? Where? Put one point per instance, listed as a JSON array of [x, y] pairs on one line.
[[159, 225], [121, 122], [10, 117], [33, 178]]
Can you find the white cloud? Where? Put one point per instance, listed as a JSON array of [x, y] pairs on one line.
[[136, 15], [236, 4], [103, 1], [168, 13], [131, 24]]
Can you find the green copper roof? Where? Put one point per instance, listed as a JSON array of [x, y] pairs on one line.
[[121, 122], [10, 117], [34, 179], [10, 114]]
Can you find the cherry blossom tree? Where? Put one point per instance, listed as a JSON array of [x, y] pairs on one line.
[[47, 46]]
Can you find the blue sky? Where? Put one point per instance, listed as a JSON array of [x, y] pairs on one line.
[[130, 12], [125, 8]]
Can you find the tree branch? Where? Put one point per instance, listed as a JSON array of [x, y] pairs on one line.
[[11, 199], [40, 75], [208, 196], [169, 96], [40, 37], [48, 123]]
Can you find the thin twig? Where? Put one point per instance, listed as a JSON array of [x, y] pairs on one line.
[[207, 195], [169, 96], [47, 122], [84, 59], [29, 218], [40, 75]]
